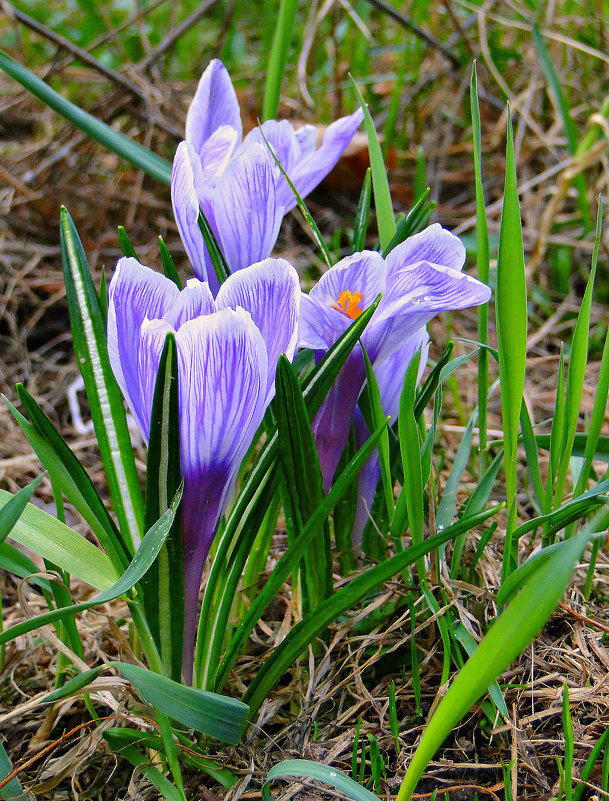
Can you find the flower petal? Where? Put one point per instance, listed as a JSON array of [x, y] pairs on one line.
[[186, 176], [414, 296], [270, 292], [217, 152], [152, 340], [214, 104], [134, 294], [435, 244], [391, 371], [281, 136], [361, 272], [313, 168], [193, 301], [245, 212], [319, 325]]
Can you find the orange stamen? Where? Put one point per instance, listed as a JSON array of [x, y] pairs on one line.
[[348, 303]]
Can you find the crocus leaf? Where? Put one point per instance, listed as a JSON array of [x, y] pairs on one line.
[[104, 396], [360, 227], [53, 540], [69, 475], [169, 267], [145, 556], [284, 31], [163, 584], [14, 561], [215, 715], [218, 261], [413, 222], [304, 484], [14, 508], [142, 762], [306, 769], [125, 243]]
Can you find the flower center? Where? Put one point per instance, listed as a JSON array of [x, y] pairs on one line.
[[348, 303]]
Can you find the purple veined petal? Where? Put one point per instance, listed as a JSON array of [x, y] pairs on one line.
[[313, 168], [333, 421], [270, 292], [186, 178], [135, 293], [222, 376], [193, 301], [281, 136], [391, 371], [215, 104], [319, 325], [367, 482], [217, 151], [435, 244], [245, 212], [414, 296], [152, 340], [362, 272]]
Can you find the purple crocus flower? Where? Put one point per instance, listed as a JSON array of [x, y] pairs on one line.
[[418, 279], [227, 350], [237, 184]]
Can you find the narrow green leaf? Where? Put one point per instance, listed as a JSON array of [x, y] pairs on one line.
[[304, 483], [290, 558], [105, 401], [282, 37], [118, 143], [148, 771], [14, 561], [70, 477], [305, 769], [125, 243], [413, 222], [216, 255], [169, 267], [507, 638], [14, 508], [53, 540], [145, 556], [380, 182], [319, 240], [370, 404], [360, 227], [580, 442], [163, 584], [511, 313], [215, 715]]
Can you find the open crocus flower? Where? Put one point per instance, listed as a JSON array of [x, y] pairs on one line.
[[418, 279], [237, 184], [227, 349]]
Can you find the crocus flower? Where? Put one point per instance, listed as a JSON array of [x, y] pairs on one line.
[[227, 350], [418, 279], [238, 185]]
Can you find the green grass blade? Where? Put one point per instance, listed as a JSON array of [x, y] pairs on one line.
[[578, 362], [319, 240], [104, 396], [482, 264], [218, 261], [586, 771], [344, 599], [142, 762], [304, 483], [506, 639], [118, 143], [14, 508], [278, 58], [380, 182], [169, 267], [413, 222], [511, 313], [143, 559], [125, 243], [69, 476], [53, 540], [14, 561], [360, 227], [305, 769], [163, 584], [215, 715]]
